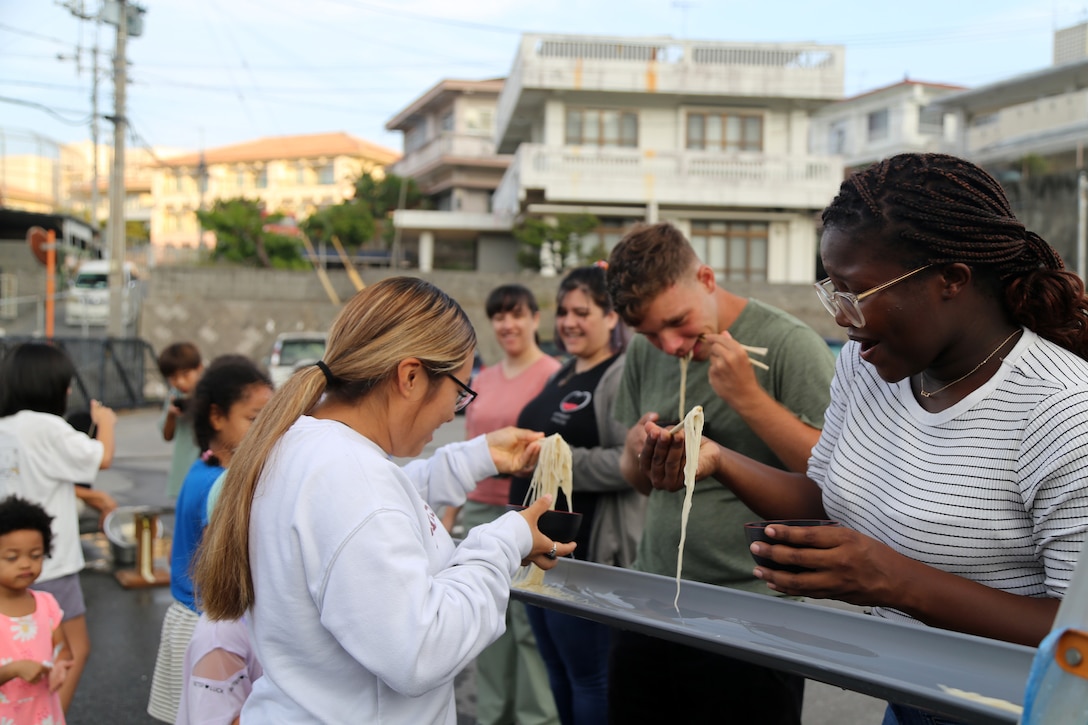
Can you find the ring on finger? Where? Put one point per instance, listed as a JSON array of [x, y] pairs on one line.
[[551, 554]]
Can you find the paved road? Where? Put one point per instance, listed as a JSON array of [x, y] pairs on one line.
[[124, 624]]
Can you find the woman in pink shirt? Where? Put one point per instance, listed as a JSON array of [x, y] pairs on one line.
[[511, 680]]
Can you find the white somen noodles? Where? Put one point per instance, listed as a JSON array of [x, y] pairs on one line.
[[552, 474], [693, 432]]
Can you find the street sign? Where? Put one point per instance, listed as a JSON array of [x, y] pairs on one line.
[[38, 240]]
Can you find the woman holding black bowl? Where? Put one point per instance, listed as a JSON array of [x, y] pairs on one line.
[[956, 441], [577, 404]]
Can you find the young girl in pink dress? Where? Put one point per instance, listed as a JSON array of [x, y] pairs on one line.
[[34, 657]]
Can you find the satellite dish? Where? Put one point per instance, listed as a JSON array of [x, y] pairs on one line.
[[37, 239]]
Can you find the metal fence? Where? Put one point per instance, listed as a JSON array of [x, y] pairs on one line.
[[118, 372]]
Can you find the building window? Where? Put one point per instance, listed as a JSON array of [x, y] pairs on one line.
[[479, 120], [241, 179], [836, 141], [930, 121], [415, 137], [878, 125], [326, 174], [598, 243], [601, 127], [736, 251], [725, 132], [445, 123], [262, 178]]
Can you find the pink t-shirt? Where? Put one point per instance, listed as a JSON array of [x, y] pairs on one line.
[[499, 403], [30, 638]]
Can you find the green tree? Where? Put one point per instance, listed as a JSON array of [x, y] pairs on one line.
[[563, 237], [350, 222], [137, 232], [360, 219], [242, 235], [381, 196]]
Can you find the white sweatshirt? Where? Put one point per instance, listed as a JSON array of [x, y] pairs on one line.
[[364, 608]]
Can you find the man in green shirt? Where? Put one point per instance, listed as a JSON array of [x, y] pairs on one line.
[[773, 415]]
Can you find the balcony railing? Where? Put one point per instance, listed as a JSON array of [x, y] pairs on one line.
[[613, 175], [464, 146], [665, 66]]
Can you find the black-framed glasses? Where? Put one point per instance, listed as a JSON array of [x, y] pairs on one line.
[[464, 396], [849, 303]]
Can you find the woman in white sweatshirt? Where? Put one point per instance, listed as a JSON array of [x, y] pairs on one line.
[[360, 606]]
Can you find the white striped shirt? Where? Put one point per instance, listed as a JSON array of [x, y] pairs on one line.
[[992, 489]]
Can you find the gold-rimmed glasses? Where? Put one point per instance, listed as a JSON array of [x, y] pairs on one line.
[[849, 303]]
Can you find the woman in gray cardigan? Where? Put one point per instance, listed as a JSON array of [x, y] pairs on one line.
[[577, 403]]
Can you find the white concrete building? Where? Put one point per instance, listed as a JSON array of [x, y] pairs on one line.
[[1038, 118], [449, 150], [1042, 114], [883, 122], [712, 136]]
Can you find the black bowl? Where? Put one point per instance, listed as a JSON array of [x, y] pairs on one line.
[[754, 531], [561, 526]]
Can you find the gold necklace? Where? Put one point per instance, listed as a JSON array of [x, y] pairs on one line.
[[972, 371]]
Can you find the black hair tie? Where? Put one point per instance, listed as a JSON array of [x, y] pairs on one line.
[[329, 377]]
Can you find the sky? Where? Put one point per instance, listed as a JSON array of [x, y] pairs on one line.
[[210, 73]]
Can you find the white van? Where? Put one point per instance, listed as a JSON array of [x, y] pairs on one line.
[[89, 294], [293, 350]]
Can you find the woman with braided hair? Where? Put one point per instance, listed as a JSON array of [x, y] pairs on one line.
[[955, 447]]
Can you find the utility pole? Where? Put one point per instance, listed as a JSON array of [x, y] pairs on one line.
[[117, 178], [201, 186], [94, 131], [77, 9]]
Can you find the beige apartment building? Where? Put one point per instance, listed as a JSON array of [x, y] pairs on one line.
[[293, 175], [88, 188]]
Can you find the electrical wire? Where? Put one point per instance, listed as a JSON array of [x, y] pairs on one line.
[[40, 84], [51, 111], [32, 34], [435, 19]]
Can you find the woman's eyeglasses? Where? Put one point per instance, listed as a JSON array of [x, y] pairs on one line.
[[848, 303], [464, 396]]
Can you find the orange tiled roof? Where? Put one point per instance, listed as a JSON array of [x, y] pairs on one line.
[[290, 147]]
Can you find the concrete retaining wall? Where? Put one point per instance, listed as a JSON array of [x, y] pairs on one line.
[[241, 310]]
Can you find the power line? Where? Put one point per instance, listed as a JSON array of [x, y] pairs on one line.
[[141, 141], [51, 111], [258, 91], [435, 19], [40, 84], [32, 34]]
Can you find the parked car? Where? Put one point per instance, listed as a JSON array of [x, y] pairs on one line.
[[294, 350], [88, 300]]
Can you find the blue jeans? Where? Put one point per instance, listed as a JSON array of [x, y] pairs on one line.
[[906, 715], [575, 651]]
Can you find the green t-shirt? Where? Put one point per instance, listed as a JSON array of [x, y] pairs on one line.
[[801, 366], [185, 450]]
